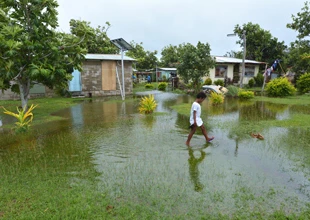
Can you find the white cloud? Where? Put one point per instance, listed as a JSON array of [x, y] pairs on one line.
[[158, 23]]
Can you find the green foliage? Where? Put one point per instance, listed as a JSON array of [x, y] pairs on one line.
[[169, 56], [301, 22], [242, 94], [303, 83], [147, 104], [251, 83], [97, 40], [280, 87], [149, 86], [164, 78], [162, 86], [145, 59], [219, 82], [194, 63], [31, 51], [232, 91], [208, 81], [260, 44], [259, 79], [24, 118], [216, 98]]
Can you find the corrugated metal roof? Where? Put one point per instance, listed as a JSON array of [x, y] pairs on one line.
[[235, 60], [167, 69], [107, 57]]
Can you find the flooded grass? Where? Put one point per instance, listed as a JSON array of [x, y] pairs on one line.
[[107, 161]]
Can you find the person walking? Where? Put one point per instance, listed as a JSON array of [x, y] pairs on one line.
[[195, 119]]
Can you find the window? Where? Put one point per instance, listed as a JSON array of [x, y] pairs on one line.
[[220, 71], [249, 71]]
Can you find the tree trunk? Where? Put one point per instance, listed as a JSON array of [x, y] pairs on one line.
[[24, 88]]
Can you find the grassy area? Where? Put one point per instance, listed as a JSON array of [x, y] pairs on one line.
[[46, 106]]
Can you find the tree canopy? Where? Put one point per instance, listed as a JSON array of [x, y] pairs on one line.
[[194, 62], [145, 59], [97, 40], [260, 44], [299, 56], [31, 50]]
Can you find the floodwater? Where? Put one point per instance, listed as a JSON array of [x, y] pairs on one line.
[[143, 159]]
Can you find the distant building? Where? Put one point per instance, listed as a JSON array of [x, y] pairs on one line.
[[232, 68]]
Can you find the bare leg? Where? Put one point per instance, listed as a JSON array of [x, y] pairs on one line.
[[190, 135], [204, 132]]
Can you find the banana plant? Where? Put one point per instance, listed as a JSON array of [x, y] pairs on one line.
[[24, 117]]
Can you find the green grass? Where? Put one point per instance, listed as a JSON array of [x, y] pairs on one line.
[[46, 106], [57, 180]]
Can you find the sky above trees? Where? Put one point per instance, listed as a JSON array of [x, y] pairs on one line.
[[160, 23]]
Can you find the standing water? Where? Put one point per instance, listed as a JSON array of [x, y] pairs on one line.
[[142, 160]]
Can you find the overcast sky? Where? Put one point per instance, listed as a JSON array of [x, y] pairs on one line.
[[158, 23]]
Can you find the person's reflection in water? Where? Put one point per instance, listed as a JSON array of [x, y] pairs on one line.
[[193, 168]]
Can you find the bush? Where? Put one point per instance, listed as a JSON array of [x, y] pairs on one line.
[[149, 86], [216, 98], [232, 91], [147, 104], [303, 83], [219, 82], [251, 83], [280, 87], [259, 79], [164, 78], [162, 86], [242, 94], [208, 81]]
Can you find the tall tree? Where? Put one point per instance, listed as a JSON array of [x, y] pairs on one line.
[[195, 62], [169, 56], [31, 50], [97, 41], [301, 22], [234, 54], [145, 59], [260, 44], [299, 56]]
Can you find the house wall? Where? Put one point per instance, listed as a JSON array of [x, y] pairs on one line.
[[99, 78], [230, 73]]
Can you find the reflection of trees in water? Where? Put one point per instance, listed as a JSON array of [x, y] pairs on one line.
[[193, 168], [148, 120], [256, 112]]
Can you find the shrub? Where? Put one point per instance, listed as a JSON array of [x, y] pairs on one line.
[[149, 86], [280, 87], [259, 79], [164, 78], [232, 91], [303, 83], [251, 83], [216, 98], [242, 94], [147, 104], [24, 118], [208, 81], [219, 82], [162, 86]]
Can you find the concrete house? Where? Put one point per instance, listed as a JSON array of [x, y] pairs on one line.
[[232, 67], [102, 76]]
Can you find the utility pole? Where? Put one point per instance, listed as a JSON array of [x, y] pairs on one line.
[[243, 59]]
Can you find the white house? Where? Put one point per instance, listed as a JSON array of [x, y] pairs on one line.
[[232, 67]]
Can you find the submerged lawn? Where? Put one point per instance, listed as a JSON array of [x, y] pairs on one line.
[[103, 160]]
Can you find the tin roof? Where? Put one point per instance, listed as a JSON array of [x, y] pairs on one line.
[[107, 57], [167, 69], [235, 60]]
